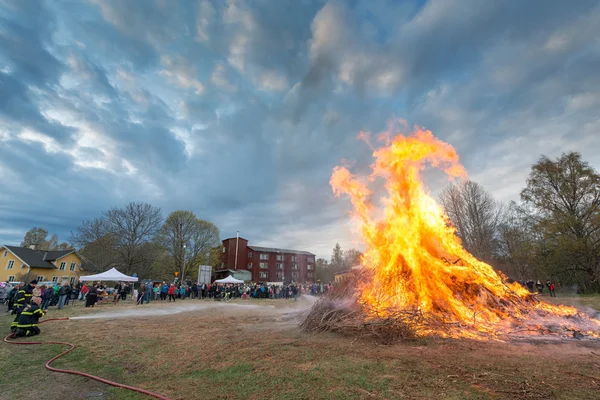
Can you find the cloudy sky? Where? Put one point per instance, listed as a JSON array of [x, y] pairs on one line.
[[239, 110]]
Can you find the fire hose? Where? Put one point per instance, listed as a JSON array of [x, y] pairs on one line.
[[68, 371]]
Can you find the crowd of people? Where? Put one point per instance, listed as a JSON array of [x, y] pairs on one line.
[[165, 291], [539, 287]]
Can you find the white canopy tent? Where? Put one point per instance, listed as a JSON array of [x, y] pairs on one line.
[[229, 279], [110, 275]]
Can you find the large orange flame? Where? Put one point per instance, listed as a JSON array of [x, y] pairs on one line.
[[414, 256]]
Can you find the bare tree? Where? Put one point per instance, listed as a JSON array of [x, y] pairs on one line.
[[517, 244], [475, 215], [122, 237], [189, 241]]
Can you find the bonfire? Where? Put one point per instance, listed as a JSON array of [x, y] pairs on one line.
[[417, 279]]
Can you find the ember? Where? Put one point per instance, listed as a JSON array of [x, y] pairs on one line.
[[417, 274]]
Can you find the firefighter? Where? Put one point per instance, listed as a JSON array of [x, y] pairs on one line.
[[27, 325], [22, 299]]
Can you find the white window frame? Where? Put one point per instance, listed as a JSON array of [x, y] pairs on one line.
[[295, 275], [279, 257], [249, 265], [22, 265], [311, 259], [249, 254], [64, 278], [279, 275], [263, 274], [63, 266], [309, 267], [223, 249], [72, 281], [264, 256], [264, 265], [55, 279], [279, 265], [5, 253], [11, 278], [41, 278], [295, 258], [10, 265], [73, 267], [294, 266]]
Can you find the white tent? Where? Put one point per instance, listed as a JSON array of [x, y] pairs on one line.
[[110, 275], [229, 279]]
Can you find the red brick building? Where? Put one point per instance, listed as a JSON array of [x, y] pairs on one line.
[[268, 264]]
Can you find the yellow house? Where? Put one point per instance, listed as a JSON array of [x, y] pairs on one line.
[[18, 264]]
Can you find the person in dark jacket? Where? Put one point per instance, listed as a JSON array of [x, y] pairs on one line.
[[22, 299], [11, 297], [92, 296], [63, 293], [47, 297], [27, 325]]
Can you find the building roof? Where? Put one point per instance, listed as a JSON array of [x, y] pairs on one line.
[[274, 250], [55, 255], [37, 258]]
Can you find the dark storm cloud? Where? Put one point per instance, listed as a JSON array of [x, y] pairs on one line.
[[239, 110]]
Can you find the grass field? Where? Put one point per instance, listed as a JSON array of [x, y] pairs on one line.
[[236, 351]]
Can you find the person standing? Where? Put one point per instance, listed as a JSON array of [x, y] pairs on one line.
[[540, 286], [141, 293], [92, 296], [171, 293], [47, 297], [63, 292], [551, 288]]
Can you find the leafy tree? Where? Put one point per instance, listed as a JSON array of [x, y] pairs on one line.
[[337, 259], [36, 237], [322, 270], [562, 202], [188, 241]]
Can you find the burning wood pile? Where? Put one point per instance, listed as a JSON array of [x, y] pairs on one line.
[[409, 287]]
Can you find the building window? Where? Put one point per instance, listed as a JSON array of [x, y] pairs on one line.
[[5, 253], [223, 249], [294, 266], [55, 279], [309, 267], [72, 281], [249, 254], [263, 274], [63, 265], [279, 257], [73, 267], [249, 265], [264, 256], [64, 279], [10, 264], [294, 275], [295, 258], [311, 259], [11, 278], [22, 265], [279, 275], [264, 265], [310, 274], [41, 278], [279, 266]]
